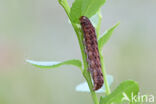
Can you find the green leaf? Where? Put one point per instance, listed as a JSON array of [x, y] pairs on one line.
[[86, 8], [106, 36], [55, 64], [83, 87], [122, 93]]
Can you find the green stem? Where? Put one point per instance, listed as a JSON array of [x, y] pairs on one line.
[[104, 75], [99, 24], [86, 74], [66, 7], [89, 81]]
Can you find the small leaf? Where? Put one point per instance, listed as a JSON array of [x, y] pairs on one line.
[[86, 8], [122, 93], [106, 36], [83, 87], [55, 64]]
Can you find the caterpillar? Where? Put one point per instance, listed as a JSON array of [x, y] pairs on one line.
[[92, 52]]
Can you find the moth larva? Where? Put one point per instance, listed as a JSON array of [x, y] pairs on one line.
[[92, 52]]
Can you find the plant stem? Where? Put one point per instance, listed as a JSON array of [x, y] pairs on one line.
[[104, 75], [99, 24], [86, 73], [79, 34], [89, 81]]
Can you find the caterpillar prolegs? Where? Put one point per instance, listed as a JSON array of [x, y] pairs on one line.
[[92, 52]]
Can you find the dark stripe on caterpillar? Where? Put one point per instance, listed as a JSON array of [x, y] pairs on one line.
[[92, 52]]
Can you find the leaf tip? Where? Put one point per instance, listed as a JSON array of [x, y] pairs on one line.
[[117, 24]]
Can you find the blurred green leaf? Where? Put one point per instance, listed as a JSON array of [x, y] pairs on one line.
[[55, 64], [126, 88], [106, 36], [83, 87], [86, 8]]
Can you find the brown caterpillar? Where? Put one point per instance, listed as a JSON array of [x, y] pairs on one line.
[[92, 52]]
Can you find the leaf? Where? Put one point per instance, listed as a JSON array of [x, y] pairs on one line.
[[86, 8], [75, 12], [55, 64], [106, 36], [83, 87], [121, 93]]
